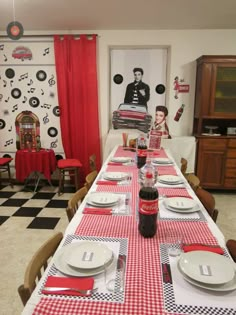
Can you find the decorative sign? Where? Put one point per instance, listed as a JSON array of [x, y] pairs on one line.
[[155, 139], [183, 88]]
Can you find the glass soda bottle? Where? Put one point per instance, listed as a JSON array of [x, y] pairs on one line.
[[148, 207], [141, 151]]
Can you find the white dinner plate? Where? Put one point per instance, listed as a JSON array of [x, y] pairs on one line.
[[162, 161], [180, 203], [87, 255], [120, 159], [170, 179], [116, 176], [62, 266], [207, 267], [229, 286], [102, 199], [185, 211]]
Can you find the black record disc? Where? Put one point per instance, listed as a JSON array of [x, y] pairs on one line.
[[2, 124], [16, 93], [52, 132], [56, 111], [41, 75], [58, 157], [34, 101], [6, 156], [10, 73], [118, 78], [160, 89], [15, 30]]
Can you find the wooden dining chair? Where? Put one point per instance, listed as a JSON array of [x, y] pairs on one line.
[[92, 163], [192, 179], [73, 203], [37, 266], [208, 201], [90, 178], [70, 167], [5, 167], [231, 245]]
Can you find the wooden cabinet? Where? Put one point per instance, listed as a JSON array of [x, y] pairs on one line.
[[215, 107]]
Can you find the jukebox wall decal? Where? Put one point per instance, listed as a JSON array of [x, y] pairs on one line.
[[27, 129]]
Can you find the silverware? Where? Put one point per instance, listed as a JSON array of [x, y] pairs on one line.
[[57, 289]]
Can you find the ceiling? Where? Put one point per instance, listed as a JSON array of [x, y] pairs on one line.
[[66, 15]]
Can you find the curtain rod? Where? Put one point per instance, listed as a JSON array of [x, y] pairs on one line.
[[51, 35]]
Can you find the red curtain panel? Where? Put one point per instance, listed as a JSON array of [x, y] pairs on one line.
[[76, 69]]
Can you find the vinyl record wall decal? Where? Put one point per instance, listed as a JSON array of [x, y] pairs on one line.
[[10, 73], [2, 124], [118, 78], [160, 89], [16, 93], [52, 132], [41, 75], [15, 30], [56, 111], [34, 101]]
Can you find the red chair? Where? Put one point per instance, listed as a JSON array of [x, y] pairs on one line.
[[71, 166], [5, 167]]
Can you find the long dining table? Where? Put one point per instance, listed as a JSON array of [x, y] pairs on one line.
[[152, 283]]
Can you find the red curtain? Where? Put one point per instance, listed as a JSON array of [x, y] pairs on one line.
[[76, 70]]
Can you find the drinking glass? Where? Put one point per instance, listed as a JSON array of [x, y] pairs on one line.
[[125, 139], [117, 283]]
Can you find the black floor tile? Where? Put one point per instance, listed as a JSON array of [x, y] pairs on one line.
[[3, 219], [57, 204], [69, 189], [43, 195], [6, 194], [14, 202], [27, 212], [43, 223]]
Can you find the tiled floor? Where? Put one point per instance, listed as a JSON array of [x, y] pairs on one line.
[[28, 219]]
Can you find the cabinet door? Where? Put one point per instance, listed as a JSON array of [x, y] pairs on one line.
[[223, 97], [210, 168]]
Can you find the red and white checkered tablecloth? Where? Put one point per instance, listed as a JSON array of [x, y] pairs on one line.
[[143, 286]]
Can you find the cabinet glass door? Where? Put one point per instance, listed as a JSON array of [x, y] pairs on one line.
[[225, 90]]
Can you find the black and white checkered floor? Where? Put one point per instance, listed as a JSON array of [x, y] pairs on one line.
[[43, 207]]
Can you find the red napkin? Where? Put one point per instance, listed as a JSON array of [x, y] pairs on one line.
[[192, 247], [78, 283], [106, 211], [106, 182]]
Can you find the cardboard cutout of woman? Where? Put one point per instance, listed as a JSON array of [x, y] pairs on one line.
[[160, 121]]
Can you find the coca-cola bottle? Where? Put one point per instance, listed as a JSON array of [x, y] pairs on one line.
[[179, 113], [141, 151], [148, 207], [147, 168]]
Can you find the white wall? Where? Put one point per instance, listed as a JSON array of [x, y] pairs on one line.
[[184, 48]]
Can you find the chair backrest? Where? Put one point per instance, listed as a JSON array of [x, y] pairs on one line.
[[73, 203], [92, 163], [192, 179], [231, 245], [208, 201], [37, 266], [90, 178]]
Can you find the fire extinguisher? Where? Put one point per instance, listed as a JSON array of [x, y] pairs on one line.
[[179, 113]]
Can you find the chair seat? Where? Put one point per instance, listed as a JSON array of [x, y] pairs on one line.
[[5, 161], [67, 163]]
